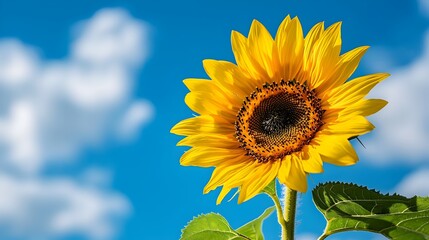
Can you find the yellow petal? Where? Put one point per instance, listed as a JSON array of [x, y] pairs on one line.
[[364, 107], [312, 36], [209, 88], [325, 56], [290, 44], [208, 156], [350, 127], [202, 124], [309, 41], [345, 68], [203, 103], [312, 164], [210, 140], [263, 174], [331, 115], [230, 174], [337, 150], [291, 173], [222, 194], [195, 84], [281, 35], [354, 90], [229, 78], [244, 59], [261, 45]]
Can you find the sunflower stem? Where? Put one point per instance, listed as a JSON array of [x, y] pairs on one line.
[[289, 213]]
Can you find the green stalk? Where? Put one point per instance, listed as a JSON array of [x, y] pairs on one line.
[[289, 213]]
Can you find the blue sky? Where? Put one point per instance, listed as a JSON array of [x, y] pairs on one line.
[[90, 90]]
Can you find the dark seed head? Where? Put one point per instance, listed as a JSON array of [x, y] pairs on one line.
[[278, 119]]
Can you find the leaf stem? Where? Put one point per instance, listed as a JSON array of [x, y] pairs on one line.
[[322, 237], [271, 191], [289, 213], [280, 218]]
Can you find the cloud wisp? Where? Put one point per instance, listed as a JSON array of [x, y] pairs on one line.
[[51, 110], [53, 208], [54, 109], [415, 183], [402, 131]]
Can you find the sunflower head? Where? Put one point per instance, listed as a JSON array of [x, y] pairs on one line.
[[283, 109]]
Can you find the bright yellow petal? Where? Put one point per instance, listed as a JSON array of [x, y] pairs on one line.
[[210, 140], [208, 156], [290, 44], [230, 174], [350, 127], [331, 115], [210, 88], [364, 107], [255, 182], [325, 56], [313, 162], [195, 84], [244, 58], [345, 68], [354, 90], [203, 103], [291, 173], [222, 194], [337, 150], [229, 78], [312, 36], [261, 45], [203, 124]]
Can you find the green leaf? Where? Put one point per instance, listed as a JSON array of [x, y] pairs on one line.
[[253, 229], [215, 226], [210, 226], [349, 207]]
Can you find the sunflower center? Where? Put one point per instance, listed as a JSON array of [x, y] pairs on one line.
[[277, 114], [278, 119], [274, 122]]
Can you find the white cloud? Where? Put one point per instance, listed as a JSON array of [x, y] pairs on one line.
[[111, 37], [53, 109], [136, 114], [402, 132], [424, 6], [17, 63], [18, 131], [414, 184], [40, 209]]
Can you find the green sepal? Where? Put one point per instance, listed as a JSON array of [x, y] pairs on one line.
[[270, 189], [349, 207]]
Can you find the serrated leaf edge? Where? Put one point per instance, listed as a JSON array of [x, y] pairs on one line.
[[398, 198]]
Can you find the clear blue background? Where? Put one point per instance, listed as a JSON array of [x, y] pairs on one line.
[[165, 195]]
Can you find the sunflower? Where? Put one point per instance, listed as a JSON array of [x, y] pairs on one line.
[[282, 110]]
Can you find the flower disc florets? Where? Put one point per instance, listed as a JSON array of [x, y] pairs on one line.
[[278, 119]]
